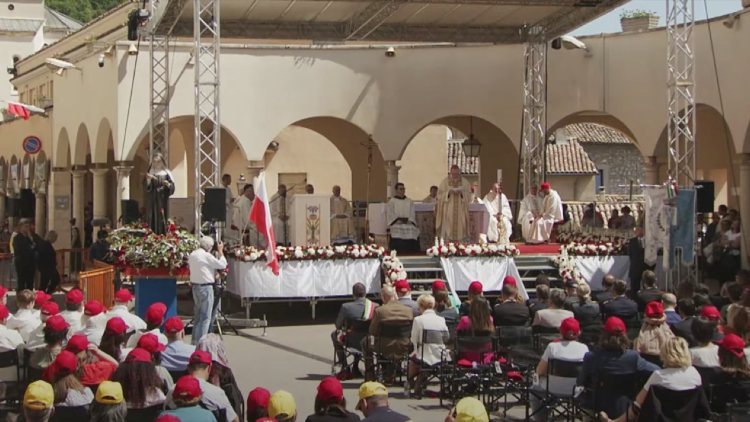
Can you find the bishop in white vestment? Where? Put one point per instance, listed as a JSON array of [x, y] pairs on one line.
[[402, 222], [552, 212], [342, 225], [452, 213], [242, 227], [501, 217], [280, 203], [530, 210]]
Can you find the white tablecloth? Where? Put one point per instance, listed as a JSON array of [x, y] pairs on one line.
[[303, 279], [593, 268], [461, 271]]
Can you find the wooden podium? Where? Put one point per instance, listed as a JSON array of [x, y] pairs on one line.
[[310, 220]]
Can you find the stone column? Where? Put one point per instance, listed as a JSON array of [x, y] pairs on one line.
[[651, 170], [745, 206], [123, 188], [391, 178], [59, 214], [40, 214], [79, 204], [2, 207], [100, 192]]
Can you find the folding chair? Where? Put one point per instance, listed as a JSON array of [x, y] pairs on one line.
[[516, 345], [352, 333], [558, 404], [68, 414], [544, 336], [11, 392], [738, 412], [611, 393], [633, 326], [429, 372], [470, 374], [148, 414], [391, 364]]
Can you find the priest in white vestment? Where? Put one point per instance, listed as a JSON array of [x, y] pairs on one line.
[[452, 212], [530, 210], [402, 222], [501, 217], [432, 197], [342, 225], [552, 212], [280, 203], [229, 235], [242, 227]]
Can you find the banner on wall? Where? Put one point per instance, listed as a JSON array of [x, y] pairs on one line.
[[658, 224]]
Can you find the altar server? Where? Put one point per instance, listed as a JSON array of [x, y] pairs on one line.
[[402, 222], [241, 219], [552, 212], [500, 226], [342, 226], [432, 197], [531, 209]]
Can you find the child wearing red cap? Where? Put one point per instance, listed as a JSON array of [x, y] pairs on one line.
[[36, 338], [25, 320], [477, 292], [9, 340], [141, 384], [154, 319], [187, 396], [113, 338], [63, 375], [730, 384], [177, 353], [330, 404], [124, 302], [654, 333], [55, 334], [96, 366], [73, 311], [257, 404], [94, 321]]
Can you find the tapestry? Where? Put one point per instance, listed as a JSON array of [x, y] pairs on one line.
[[658, 224], [682, 235], [312, 223]]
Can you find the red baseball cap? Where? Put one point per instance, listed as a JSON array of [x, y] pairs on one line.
[[138, 355], [475, 288], [93, 308], [3, 291], [116, 325], [199, 356], [654, 310], [510, 280], [77, 344], [41, 298], [570, 328], [402, 286], [155, 313], [438, 285], [74, 297], [124, 295], [168, 418], [733, 344], [173, 325], [711, 313], [150, 343], [330, 390], [546, 185], [50, 308], [187, 388], [4, 312], [55, 323], [258, 399], [65, 363], [615, 326]]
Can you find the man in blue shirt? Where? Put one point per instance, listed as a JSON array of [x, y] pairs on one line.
[[177, 354]]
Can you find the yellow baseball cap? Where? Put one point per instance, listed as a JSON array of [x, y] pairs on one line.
[[109, 392], [469, 409], [282, 403], [369, 389], [39, 396]]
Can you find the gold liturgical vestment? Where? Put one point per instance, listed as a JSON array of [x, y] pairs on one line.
[[452, 211], [342, 229]]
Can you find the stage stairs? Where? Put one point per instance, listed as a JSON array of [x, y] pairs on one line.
[[423, 270]]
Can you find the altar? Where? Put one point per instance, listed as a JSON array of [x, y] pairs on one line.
[[479, 220]]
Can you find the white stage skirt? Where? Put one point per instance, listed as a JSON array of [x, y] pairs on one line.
[[302, 279], [594, 268], [461, 271]]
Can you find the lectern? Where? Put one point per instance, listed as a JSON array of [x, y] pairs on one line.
[[310, 220]]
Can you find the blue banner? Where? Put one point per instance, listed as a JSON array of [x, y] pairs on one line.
[[682, 234]]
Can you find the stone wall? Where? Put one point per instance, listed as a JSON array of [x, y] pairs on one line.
[[621, 164]]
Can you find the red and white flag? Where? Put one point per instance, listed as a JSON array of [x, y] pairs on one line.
[[16, 109], [260, 214]]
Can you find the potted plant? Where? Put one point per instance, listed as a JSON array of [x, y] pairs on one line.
[[638, 20]]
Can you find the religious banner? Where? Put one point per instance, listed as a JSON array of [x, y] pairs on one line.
[[312, 224], [658, 223], [682, 235]]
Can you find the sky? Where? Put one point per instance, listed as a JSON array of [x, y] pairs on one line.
[[610, 22]]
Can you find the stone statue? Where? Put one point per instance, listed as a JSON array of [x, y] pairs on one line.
[[158, 185]]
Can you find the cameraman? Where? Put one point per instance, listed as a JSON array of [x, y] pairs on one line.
[[203, 267]]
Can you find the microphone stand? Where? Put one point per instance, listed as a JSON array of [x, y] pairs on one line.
[[369, 145]]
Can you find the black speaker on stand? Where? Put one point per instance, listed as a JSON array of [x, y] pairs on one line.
[[130, 211], [27, 204], [214, 207], [704, 196], [12, 210]]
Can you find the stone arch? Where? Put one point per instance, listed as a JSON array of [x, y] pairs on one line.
[[498, 152], [103, 143], [593, 116], [746, 142], [81, 146], [61, 155]]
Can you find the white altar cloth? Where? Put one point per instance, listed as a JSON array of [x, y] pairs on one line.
[[302, 279], [593, 268], [461, 271]]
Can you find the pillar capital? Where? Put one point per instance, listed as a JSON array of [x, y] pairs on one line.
[[61, 169], [649, 160], [99, 171], [78, 173]]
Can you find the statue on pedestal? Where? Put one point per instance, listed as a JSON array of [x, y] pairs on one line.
[[158, 184]]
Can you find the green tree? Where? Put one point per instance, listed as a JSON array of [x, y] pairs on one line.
[[79, 10], [101, 6]]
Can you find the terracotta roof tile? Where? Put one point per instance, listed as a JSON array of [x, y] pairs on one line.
[[569, 158], [456, 156], [592, 133]]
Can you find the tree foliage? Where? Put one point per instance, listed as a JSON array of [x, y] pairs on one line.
[[82, 10]]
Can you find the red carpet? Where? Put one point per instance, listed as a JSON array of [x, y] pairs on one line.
[[548, 249]]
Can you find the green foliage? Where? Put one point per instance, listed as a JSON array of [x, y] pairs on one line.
[[101, 6], [83, 10], [632, 14]]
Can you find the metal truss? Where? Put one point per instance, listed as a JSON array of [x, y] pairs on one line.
[[368, 20], [207, 38], [534, 110], [160, 94]]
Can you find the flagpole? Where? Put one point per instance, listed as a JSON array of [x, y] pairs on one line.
[[369, 145]]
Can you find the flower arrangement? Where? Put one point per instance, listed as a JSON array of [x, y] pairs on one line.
[[581, 244], [137, 246], [299, 253], [393, 268], [491, 250], [566, 267]]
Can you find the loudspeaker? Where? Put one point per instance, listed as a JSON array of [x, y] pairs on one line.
[[11, 207], [215, 206], [27, 204], [704, 196], [130, 211]]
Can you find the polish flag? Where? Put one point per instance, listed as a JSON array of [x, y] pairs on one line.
[[19, 110], [260, 214]]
